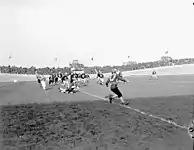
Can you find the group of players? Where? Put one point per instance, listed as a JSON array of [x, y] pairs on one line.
[[70, 83]]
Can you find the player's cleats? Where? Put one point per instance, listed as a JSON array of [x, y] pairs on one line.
[[124, 103]]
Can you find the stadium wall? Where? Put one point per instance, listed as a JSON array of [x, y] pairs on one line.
[[168, 70]]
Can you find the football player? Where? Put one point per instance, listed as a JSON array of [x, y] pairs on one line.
[[65, 80], [113, 80], [153, 75], [72, 86], [43, 81], [38, 76], [51, 79], [100, 77], [83, 78]]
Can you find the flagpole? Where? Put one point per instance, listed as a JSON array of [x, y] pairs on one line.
[[92, 59], [9, 63]]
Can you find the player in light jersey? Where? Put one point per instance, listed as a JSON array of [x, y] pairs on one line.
[[43, 81], [113, 80]]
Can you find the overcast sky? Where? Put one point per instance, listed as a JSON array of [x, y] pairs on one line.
[[34, 32]]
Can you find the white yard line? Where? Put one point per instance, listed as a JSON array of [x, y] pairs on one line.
[[141, 112]]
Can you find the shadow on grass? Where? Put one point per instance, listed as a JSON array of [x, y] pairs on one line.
[[79, 125]]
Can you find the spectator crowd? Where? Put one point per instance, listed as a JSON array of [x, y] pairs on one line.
[[104, 69]]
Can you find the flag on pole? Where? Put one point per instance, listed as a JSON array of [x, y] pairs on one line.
[[166, 52], [9, 57], [128, 56], [55, 59], [92, 58]]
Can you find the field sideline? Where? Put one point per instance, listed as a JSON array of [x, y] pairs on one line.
[[157, 117]]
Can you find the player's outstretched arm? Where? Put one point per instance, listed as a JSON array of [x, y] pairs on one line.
[[122, 79]]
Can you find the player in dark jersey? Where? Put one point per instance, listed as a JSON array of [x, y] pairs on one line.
[[65, 80], [153, 75], [100, 77], [87, 76], [83, 78], [72, 86], [51, 79], [60, 75], [191, 129], [38, 76], [74, 76], [113, 80], [55, 78]]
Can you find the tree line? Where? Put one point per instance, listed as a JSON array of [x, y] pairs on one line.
[[165, 61]]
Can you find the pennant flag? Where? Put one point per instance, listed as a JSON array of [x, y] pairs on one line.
[[55, 59], [10, 55], [166, 52], [92, 58], [128, 56]]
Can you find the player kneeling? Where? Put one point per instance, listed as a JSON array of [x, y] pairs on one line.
[[73, 87], [154, 75]]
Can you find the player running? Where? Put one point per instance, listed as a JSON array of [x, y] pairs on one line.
[[113, 80], [42, 80]]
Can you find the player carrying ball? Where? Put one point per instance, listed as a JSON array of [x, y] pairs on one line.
[[113, 80]]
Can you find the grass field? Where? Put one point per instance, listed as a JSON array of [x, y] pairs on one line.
[[35, 119]]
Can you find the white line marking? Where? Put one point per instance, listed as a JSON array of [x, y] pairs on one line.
[[141, 112]]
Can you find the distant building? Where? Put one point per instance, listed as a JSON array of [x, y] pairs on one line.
[[75, 65], [129, 63]]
